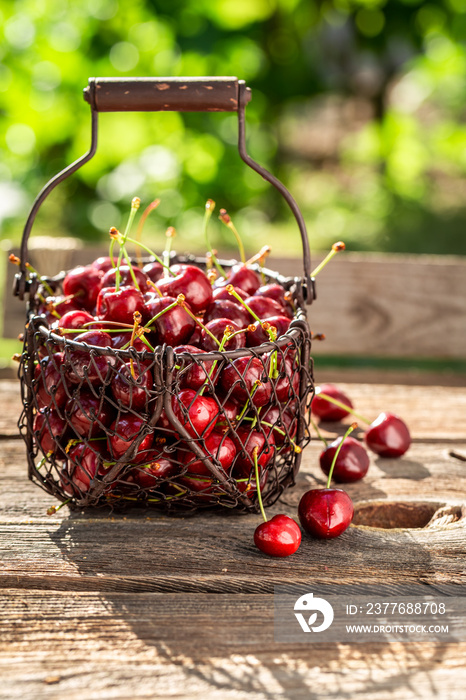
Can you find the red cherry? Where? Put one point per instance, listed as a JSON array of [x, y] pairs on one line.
[[50, 431], [221, 294], [287, 384], [264, 307], [120, 306], [259, 336], [126, 278], [84, 364], [127, 429], [194, 374], [277, 293], [154, 271], [239, 378], [247, 484], [50, 389], [217, 328], [218, 446], [61, 306], [89, 415], [388, 436], [325, 513], [198, 414], [352, 461], [246, 442], [229, 310], [243, 277], [286, 421], [278, 537], [119, 340], [327, 411], [103, 264], [174, 327], [84, 463], [83, 283], [156, 469], [74, 320], [190, 281], [132, 391]]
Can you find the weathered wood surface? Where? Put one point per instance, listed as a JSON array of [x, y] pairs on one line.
[[143, 605], [368, 304]]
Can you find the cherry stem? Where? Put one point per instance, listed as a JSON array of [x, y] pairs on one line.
[[270, 330], [137, 321], [226, 337], [154, 286], [296, 447], [319, 434], [54, 509], [16, 261], [260, 256], [336, 247], [161, 313], [330, 399], [153, 205], [170, 235], [256, 472], [151, 252], [225, 219], [135, 204], [120, 326], [352, 427], [209, 208], [181, 301], [255, 387]]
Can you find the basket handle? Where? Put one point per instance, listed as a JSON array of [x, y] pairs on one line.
[[214, 94]]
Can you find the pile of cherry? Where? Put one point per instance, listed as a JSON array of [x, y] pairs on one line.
[[95, 391], [326, 513]]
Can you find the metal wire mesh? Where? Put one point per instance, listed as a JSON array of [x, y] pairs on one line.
[[175, 429]]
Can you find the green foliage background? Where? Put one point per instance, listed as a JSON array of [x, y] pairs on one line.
[[358, 105]]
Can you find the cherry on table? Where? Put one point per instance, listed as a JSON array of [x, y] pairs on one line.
[[325, 513], [352, 461], [278, 537], [327, 411], [388, 436]]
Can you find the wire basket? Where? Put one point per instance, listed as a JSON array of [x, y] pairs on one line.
[[178, 428]]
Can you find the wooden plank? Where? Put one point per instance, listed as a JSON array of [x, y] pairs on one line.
[[214, 552], [368, 304], [189, 646]]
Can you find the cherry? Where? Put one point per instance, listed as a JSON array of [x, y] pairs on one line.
[[60, 307], [243, 277], [259, 335], [217, 328], [119, 340], [194, 374], [120, 305], [198, 414], [131, 386], [195, 339], [102, 264], [278, 537], [84, 463], [156, 469], [248, 485], [190, 281], [388, 436], [84, 283], [83, 364], [154, 271], [287, 384], [50, 430], [49, 382], [249, 441], [227, 309], [89, 415], [327, 411], [325, 513], [74, 320], [174, 326], [264, 307], [221, 294], [126, 430], [218, 446], [352, 461], [126, 278], [246, 379], [284, 421], [276, 292]]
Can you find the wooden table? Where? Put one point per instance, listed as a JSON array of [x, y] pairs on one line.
[[143, 605]]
